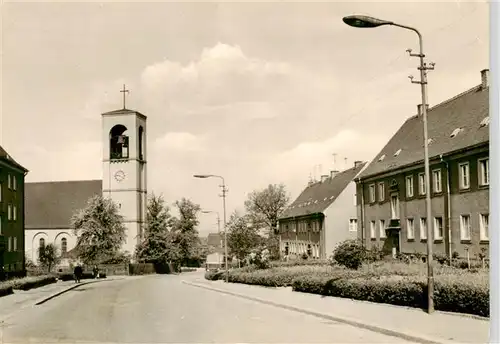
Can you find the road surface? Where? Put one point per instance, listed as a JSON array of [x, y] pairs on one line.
[[161, 309]]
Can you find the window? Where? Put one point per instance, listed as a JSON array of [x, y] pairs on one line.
[[381, 228], [15, 244], [9, 182], [423, 228], [14, 183], [9, 244], [41, 243], [353, 225], [409, 186], [1, 225], [14, 213], [410, 229], [381, 191], [394, 207], [464, 175], [465, 227], [64, 245], [381, 158], [421, 183], [484, 221], [355, 200], [438, 228], [373, 234], [485, 121], [1, 191], [372, 193], [484, 172], [397, 152], [436, 181], [9, 212]]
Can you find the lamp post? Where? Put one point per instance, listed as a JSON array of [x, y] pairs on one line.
[[224, 191], [360, 21]]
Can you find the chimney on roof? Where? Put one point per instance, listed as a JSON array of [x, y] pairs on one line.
[[324, 177], [357, 163], [333, 173], [419, 109], [485, 78]]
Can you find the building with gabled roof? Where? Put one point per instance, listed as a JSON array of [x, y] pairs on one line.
[[48, 219], [322, 216], [12, 176], [391, 190]]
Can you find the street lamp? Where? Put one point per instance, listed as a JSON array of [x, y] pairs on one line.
[[360, 21], [224, 191]]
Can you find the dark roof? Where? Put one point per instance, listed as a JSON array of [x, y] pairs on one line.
[[214, 239], [466, 110], [123, 112], [320, 195], [52, 204], [4, 156]]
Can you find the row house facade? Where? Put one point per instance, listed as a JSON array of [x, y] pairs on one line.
[[391, 190], [322, 216], [12, 174]]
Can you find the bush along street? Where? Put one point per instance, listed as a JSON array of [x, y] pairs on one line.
[[27, 283], [358, 274]]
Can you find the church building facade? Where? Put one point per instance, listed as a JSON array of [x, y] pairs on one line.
[[50, 205]]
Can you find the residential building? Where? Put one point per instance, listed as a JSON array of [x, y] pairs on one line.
[[12, 176], [391, 190], [322, 216]]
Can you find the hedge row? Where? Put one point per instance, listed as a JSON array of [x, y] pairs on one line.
[[86, 275], [455, 290], [27, 283], [6, 290], [451, 294]]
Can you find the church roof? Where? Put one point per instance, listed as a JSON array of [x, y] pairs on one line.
[[4, 156], [50, 205], [123, 112]]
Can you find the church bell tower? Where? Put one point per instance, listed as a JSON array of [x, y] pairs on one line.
[[124, 168]]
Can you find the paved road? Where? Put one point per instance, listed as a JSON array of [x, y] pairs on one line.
[[160, 309]]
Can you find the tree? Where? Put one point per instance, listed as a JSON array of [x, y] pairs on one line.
[[186, 234], [265, 206], [99, 230], [242, 237], [48, 256], [159, 245]]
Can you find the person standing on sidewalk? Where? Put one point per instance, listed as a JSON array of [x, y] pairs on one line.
[[95, 271], [78, 273]]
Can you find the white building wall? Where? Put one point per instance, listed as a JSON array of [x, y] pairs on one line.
[[51, 236], [337, 217]]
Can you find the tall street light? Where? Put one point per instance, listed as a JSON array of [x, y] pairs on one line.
[[360, 21], [224, 191]]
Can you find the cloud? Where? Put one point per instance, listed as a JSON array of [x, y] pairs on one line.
[[179, 141]]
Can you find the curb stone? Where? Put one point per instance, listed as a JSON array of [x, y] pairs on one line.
[[353, 322]]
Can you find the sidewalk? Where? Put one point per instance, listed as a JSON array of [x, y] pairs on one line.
[[393, 320], [21, 299]]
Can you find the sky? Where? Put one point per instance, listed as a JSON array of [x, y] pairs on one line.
[[259, 93]]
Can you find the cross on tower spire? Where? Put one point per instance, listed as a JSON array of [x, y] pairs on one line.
[[124, 91]]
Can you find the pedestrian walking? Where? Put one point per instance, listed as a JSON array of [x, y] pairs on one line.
[[95, 271]]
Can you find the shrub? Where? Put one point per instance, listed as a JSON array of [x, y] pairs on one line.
[[452, 293], [350, 254], [214, 275], [298, 262], [6, 290], [31, 282]]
